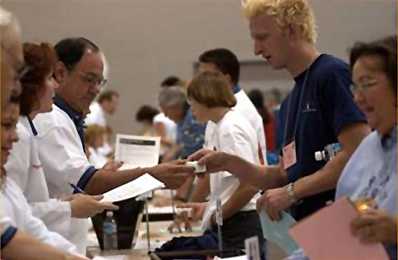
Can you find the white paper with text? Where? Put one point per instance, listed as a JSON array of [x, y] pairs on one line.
[[137, 151]]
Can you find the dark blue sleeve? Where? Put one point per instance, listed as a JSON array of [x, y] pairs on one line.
[[7, 236], [82, 183], [337, 103]]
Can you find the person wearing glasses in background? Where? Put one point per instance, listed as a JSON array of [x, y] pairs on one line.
[[79, 73]]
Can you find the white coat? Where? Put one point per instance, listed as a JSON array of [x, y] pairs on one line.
[[25, 168], [63, 161], [18, 210]]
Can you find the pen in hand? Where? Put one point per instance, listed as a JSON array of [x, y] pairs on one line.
[[76, 189]]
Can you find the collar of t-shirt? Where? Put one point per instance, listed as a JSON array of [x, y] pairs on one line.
[[76, 117], [389, 140], [236, 88], [32, 126]]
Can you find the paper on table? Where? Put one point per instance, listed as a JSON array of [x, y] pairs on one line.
[[278, 231], [241, 257], [137, 151], [111, 257], [139, 186], [326, 235]]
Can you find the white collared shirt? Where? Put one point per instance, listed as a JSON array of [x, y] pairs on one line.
[[24, 167], [64, 161], [233, 134]]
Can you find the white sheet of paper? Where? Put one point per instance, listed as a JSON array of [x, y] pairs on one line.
[[241, 257], [111, 257], [137, 151], [134, 188]]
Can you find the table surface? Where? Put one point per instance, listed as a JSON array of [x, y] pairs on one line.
[[158, 235]]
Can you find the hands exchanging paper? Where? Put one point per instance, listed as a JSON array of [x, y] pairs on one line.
[[172, 174]]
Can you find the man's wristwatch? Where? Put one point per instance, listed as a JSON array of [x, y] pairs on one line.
[[290, 193]]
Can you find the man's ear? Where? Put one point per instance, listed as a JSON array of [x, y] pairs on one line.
[[291, 31], [229, 79], [60, 72]]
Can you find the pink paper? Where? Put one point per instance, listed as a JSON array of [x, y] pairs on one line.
[[327, 235]]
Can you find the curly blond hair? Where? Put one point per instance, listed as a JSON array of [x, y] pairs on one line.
[[285, 12]]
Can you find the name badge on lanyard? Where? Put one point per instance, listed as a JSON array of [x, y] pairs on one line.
[[289, 155]]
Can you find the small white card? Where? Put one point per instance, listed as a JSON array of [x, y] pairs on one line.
[[252, 248], [198, 168], [137, 151]]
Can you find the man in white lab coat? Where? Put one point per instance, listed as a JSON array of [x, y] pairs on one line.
[[79, 73]]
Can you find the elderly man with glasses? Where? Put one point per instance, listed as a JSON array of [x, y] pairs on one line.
[[79, 73]]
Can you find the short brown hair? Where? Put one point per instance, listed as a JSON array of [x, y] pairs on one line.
[[92, 132], [211, 89], [107, 95], [41, 59]]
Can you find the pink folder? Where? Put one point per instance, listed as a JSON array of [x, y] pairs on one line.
[[326, 235]]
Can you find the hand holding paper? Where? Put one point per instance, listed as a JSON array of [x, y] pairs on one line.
[[326, 235], [278, 231]]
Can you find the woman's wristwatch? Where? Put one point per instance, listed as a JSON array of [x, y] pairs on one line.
[[290, 193]]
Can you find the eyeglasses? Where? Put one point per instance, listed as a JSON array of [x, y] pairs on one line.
[[363, 86], [92, 79]]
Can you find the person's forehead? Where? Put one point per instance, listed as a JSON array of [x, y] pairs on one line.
[[369, 64], [12, 48], [262, 23], [91, 61], [207, 66]]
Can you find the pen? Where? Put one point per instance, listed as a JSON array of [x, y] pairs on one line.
[[76, 189]]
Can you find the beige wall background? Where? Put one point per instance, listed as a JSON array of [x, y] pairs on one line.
[[146, 40]]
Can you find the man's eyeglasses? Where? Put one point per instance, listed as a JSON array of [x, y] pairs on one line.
[[363, 86], [92, 79]]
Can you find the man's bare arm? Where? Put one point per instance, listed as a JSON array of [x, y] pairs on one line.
[[326, 178]]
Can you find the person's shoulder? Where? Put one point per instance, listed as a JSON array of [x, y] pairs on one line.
[[371, 139], [328, 65], [234, 122], [44, 122], [11, 187], [24, 133]]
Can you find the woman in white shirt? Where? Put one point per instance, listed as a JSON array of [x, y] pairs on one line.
[[14, 204], [24, 165], [211, 99]]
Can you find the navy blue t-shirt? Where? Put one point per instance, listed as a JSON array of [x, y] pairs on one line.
[[326, 107]]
